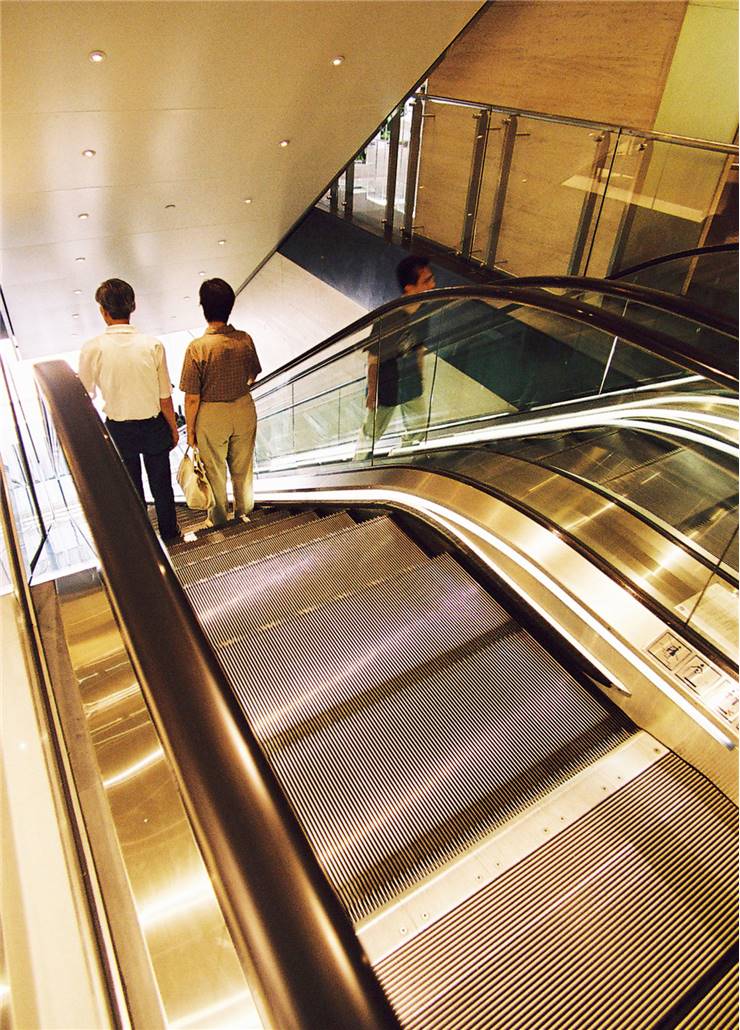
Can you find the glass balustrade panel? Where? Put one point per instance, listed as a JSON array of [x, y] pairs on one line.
[[444, 171], [555, 183], [658, 200], [710, 280]]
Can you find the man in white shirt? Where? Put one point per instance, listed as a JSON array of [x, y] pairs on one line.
[[130, 370]]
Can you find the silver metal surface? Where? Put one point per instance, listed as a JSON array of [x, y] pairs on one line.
[[413, 913], [275, 588], [604, 926], [600, 618], [223, 557], [452, 714], [198, 975]]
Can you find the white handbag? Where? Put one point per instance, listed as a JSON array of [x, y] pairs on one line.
[[191, 475]]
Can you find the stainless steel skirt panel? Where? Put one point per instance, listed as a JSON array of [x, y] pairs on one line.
[[278, 587], [408, 720], [303, 529], [609, 925]]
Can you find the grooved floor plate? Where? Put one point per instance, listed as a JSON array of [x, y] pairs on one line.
[[408, 719], [609, 925], [277, 587], [302, 529]]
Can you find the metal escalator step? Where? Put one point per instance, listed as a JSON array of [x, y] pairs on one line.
[[454, 718], [275, 588], [445, 756], [263, 543], [257, 524], [608, 925], [717, 1010], [207, 546]]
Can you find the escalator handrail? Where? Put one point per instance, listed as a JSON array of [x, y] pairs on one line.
[[296, 943], [723, 373], [716, 248], [661, 300]]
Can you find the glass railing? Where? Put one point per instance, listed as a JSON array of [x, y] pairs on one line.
[[52, 531], [529, 193], [458, 374], [707, 276], [454, 363]]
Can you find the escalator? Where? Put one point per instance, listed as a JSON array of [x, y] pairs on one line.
[[505, 747]]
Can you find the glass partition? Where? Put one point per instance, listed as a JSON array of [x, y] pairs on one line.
[[446, 156], [658, 200], [556, 177], [432, 370], [709, 278]]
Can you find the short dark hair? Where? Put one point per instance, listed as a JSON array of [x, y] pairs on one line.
[[116, 297], [409, 269], [217, 299]]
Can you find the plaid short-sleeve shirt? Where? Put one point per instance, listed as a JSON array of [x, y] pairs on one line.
[[220, 365]]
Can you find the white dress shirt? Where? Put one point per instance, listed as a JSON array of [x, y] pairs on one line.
[[130, 370]]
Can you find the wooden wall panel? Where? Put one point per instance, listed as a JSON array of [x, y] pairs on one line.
[[605, 60]]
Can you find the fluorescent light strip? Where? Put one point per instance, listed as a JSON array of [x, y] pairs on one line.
[[445, 515]]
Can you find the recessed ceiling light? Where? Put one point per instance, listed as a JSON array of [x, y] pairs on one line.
[[186, 298], [168, 206], [247, 200], [77, 292], [284, 142], [88, 153], [75, 315], [79, 259], [83, 216], [336, 61], [222, 243], [96, 56], [201, 273], [74, 334]]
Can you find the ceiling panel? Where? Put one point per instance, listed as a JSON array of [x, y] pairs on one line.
[[187, 109]]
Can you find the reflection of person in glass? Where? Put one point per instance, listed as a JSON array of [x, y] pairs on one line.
[[395, 363]]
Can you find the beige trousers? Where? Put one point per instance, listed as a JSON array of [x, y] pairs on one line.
[[225, 431]]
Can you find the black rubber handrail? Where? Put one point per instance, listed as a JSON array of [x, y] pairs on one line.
[[295, 940], [717, 248], [660, 300], [720, 369]]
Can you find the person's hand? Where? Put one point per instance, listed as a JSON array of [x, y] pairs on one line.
[[370, 402], [175, 437]]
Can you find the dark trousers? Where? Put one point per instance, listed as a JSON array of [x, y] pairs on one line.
[[150, 439]]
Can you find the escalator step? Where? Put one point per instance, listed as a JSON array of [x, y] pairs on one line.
[[302, 529], [407, 720], [260, 517], [206, 547], [609, 924], [275, 588]]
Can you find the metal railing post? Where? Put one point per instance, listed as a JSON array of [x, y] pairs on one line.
[[502, 185], [390, 188], [477, 165], [412, 169], [597, 187]]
